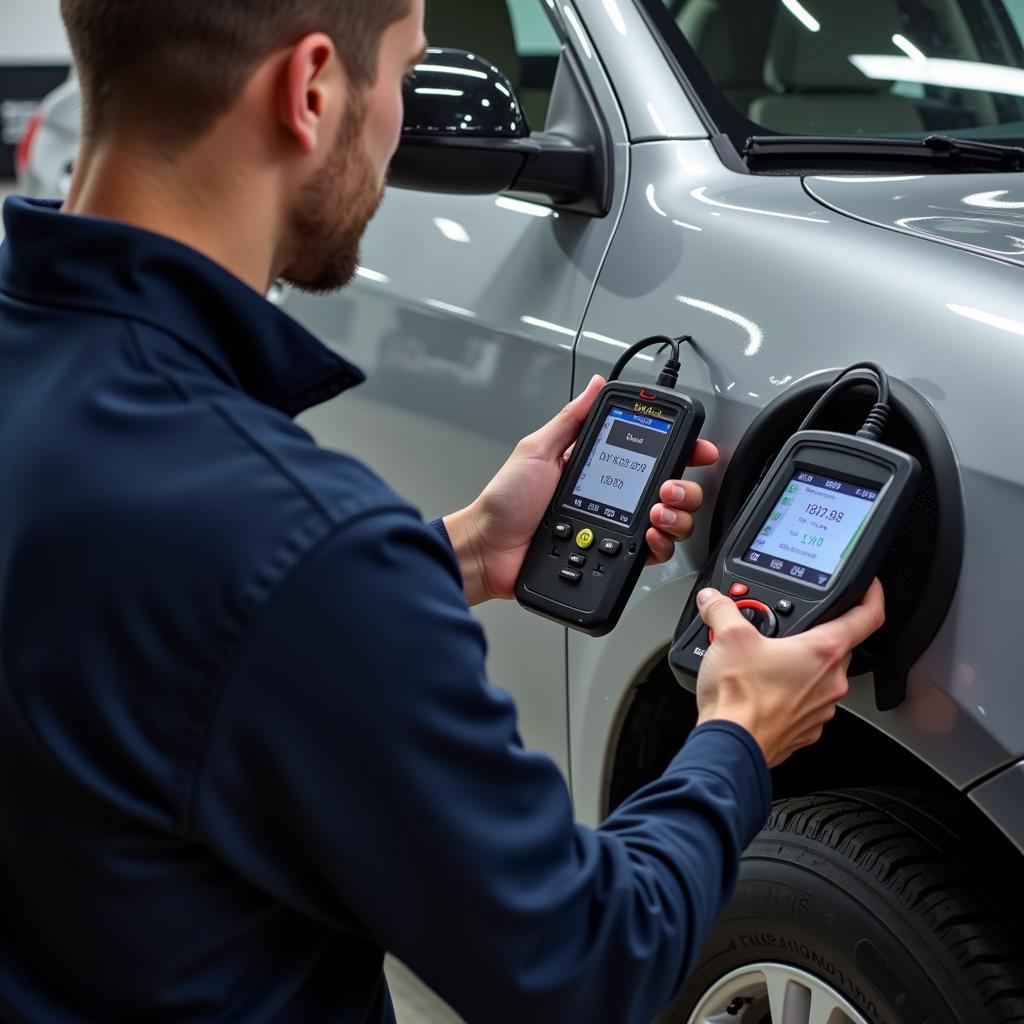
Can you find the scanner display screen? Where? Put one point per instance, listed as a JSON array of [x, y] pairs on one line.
[[812, 528], [619, 467]]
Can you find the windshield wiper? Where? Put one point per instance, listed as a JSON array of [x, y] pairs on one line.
[[850, 152]]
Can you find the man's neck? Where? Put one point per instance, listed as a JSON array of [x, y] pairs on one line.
[[192, 200]]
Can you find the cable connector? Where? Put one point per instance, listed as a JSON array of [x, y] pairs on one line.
[[874, 425], [669, 376]]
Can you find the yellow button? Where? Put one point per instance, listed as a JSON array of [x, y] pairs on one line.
[[584, 539]]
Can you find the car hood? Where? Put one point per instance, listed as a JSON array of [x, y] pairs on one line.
[[982, 213]]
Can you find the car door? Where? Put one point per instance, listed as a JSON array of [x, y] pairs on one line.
[[464, 315]]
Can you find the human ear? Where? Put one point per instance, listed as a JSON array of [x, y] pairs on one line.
[[311, 85]]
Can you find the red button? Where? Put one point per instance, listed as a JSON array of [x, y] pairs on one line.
[[739, 590]]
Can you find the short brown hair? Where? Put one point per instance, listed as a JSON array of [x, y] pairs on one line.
[[180, 64]]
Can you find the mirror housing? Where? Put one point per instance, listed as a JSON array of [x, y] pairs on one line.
[[465, 133]]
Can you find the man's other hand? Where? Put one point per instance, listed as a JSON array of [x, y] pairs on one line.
[[782, 691], [491, 536]]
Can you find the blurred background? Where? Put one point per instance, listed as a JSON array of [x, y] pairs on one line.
[[34, 59]]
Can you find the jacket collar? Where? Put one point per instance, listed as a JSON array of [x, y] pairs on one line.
[[75, 262]]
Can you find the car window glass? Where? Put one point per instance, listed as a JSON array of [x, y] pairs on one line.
[[535, 36], [874, 67], [515, 35]]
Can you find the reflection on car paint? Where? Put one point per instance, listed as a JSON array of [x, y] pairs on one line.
[[700, 194], [755, 334]]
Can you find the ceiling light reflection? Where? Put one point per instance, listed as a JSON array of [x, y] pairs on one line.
[[594, 336], [372, 275], [909, 48], [659, 124], [942, 71], [615, 15], [991, 201], [804, 16], [570, 16], [755, 334], [968, 229], [547, 325], [444, 70], [1002, 323], [869, 179], [447, 307], [653, 202], [452, 230], [700, 194], [518, 206], [440, 92]]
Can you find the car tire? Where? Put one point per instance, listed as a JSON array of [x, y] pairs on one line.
[[864, 907]]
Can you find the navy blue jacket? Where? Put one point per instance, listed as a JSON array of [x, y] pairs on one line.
[[246, 739]]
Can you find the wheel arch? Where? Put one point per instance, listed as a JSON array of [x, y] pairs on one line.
[[659, 714]]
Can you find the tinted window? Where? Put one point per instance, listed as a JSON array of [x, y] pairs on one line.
[[873, 67], [515, 35]]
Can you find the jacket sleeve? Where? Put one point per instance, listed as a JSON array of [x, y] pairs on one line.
[[361, 769]]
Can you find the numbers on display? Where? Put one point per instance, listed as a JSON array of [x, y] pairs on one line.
[[824, 512]]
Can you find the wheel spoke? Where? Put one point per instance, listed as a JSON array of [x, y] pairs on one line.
[[826, 1008], [788, 1000], [788, 994]]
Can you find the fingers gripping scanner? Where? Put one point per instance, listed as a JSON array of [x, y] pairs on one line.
[[585, 559], [812, 535]]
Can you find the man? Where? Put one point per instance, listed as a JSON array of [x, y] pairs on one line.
[[246, 742]]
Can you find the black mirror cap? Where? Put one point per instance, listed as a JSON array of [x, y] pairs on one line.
[[454, 94], [465, 134]]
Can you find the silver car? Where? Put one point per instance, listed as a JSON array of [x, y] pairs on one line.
[[800, 185]]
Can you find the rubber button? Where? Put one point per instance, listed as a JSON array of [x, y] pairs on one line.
[[763, 617], [784, 607], [739, 590], [584, 539], [757, 613], [563, 531], [571, 575], [610, 547], [577, 560]]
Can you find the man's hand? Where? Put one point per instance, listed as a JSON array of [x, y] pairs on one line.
[[492, 535], [782, 691]]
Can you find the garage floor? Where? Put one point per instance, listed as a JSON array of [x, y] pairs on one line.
[[414, 1002]]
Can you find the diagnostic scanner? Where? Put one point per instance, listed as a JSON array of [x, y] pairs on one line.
[[809, 540], [585, 559]]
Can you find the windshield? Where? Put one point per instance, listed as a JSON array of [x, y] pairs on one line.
[[903, 68]]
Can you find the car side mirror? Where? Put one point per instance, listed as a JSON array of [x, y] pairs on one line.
[[465, 133]]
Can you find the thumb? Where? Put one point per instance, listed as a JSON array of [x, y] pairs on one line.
[[560, 433], [718, 611]]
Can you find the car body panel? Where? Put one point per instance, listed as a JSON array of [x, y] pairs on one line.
[[652, 102], [999, 798], [466, 331], [981, 213], [774, 288]]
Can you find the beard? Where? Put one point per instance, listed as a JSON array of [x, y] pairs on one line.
[[332, 213]]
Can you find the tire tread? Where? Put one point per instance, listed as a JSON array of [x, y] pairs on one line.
[[912, 847]]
